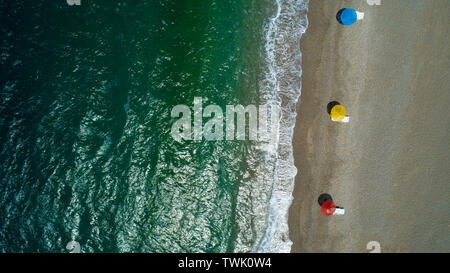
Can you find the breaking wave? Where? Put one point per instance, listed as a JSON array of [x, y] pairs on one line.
[[282, 86]]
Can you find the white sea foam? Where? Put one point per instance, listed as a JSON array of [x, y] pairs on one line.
[[281, 86]]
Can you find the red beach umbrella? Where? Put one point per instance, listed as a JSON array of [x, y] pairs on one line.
[[328, 208]]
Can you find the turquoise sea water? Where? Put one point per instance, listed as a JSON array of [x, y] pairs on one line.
[[86, 153]]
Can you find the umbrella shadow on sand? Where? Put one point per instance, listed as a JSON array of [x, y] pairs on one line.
[[323, 198], [331, 105]]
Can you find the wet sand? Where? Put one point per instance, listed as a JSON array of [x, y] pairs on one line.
[[389, 167]]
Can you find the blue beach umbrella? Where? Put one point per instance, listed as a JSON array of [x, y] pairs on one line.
[[347, 16]]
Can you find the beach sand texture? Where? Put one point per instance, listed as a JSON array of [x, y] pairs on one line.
[[388, 167]]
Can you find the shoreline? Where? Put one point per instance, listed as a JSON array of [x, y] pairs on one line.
[[282, 86], [375, 168]]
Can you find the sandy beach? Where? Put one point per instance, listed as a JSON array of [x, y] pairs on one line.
[[389, 166]]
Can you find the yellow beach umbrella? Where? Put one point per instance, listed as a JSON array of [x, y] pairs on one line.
[[338, 112]]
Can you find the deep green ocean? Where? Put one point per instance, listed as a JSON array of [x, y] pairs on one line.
[[86, 153]]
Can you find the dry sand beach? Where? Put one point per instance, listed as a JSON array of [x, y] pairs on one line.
[[388, 167]]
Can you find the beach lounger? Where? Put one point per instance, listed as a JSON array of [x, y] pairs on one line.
[[345, 120], [359, 15], [339, 211]]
